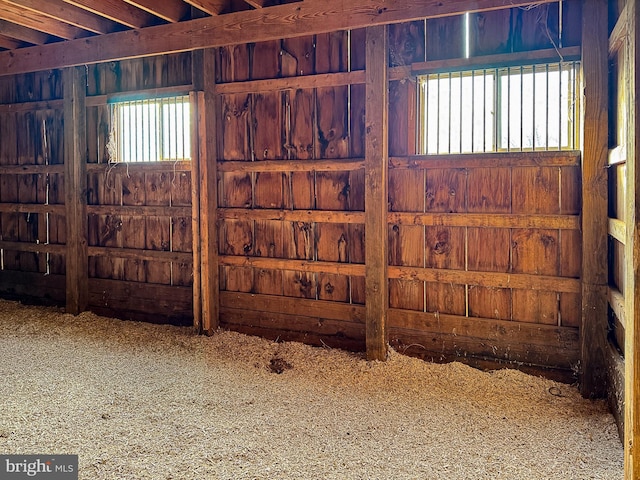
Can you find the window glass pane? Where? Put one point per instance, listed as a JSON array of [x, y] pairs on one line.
[[153, 130], [458, 113], [499, 109]]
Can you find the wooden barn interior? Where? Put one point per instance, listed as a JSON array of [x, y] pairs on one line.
[[217, 163]]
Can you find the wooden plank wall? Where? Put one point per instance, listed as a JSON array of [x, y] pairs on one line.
[[291, 192], [139, 216], [32, 228], [484, 251]]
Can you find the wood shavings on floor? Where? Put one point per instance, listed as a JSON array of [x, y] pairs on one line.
[[143, 401]]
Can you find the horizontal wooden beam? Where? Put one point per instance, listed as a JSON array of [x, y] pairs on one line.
[[144, 94], [292, 83], [152, 167], [353, 269], [521, 281], [308, 216], [31, 208], [311, 330], [485, 160], [513, 342], [30, 169], [135, 254], [335, 165], [561, 222], [497, 61], [282, 21], [24, 34], [293, 306], [31, 106], [33, 247], [618, 230], [616, 302], [139, 210], [152, 301]]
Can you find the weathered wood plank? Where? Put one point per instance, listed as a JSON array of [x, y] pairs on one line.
[[313, 308], [594, 198], [208, 206], [335, 268], [296, 328], [76, 184], [376, 196], [514, 342], [489, 279], [44, 289], [33, 247], [333, 165], [25, 207], [493, 220], [313, 216], [139, 210], [487, 160], [632, 253], [140, 301], [489, 302], [138, 254]]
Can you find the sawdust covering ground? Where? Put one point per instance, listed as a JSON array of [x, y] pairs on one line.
[[142, 401]]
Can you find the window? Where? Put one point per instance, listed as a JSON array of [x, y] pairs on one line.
[[152, 130], [523, 108]]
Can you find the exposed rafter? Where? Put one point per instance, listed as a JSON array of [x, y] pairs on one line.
[[118, 11], [283, 21], [23, 34], [169, 10], [212, 7], [255, 3], [64, 12], [38, 21], [11, 43]]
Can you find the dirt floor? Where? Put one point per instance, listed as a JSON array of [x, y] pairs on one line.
[[142, 401]]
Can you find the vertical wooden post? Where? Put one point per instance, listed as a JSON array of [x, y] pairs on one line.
[[75, 182], [593, 330], [632, 256], [207, 198], [195, 212], [376, 197]]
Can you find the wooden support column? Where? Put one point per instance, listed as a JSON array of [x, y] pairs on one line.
[[75, 182], [593, 329], [205, 198], [632, 256], [376, 197], [195, 214]]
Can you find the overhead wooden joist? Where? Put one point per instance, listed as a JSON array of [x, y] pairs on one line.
[[283, 21]]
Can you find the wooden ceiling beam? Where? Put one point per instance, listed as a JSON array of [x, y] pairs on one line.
[[170, 10], [38, 21], [11, 43], [255, 3], [64, 12], [117, 11], [212, 7], [282, 21], [24, 34]]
